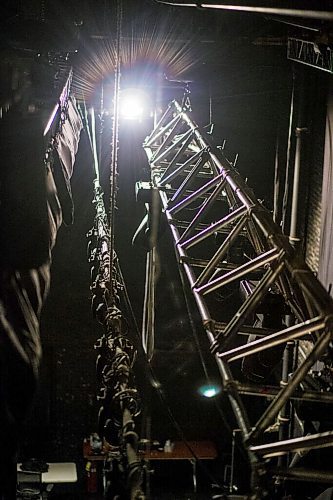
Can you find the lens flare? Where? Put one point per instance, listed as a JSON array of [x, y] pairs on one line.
[[209, 391], [162, 44]]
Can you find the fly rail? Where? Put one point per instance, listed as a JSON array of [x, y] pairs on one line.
[[224, 237]]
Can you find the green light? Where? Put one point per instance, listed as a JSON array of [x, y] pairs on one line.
[[209, 391]]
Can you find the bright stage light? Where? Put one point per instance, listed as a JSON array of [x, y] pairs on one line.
[[209, 391], [133, 105]]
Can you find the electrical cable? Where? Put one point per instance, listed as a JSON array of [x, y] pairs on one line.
[[115, 141], [94, 147]]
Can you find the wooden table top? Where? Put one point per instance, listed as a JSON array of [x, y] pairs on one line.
[[202, 450]]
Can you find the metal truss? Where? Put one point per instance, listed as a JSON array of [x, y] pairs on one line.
[[311, 54], [211, 213]]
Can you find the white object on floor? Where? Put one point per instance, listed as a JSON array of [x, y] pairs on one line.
[[59, 472]]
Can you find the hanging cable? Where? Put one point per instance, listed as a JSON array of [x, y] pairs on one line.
[[115, 138]]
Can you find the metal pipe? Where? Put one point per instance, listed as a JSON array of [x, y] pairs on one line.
[[192, 197], [293, 236], [158, 156], [218, 256], [306, 13], [288, 390], [248, 306], [154, 136], [270, 392], [304, 475], [320, 440], [293, 332], [252, 265], [213, 228], [186, 139], [182, 188], [201, 213]]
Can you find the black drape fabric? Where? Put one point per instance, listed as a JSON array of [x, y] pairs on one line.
[[32, 203]]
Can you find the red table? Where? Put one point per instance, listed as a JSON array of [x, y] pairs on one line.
[[191, 451]]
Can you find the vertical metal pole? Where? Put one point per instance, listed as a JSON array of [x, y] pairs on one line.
[[289, 351], [232, 467], [286, 181], [284, 415], [293, 237]]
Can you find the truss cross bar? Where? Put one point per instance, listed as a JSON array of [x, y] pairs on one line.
[[168, 137], [168, 174], [162, 151], [196, 194], [242, 270], [285, 393], [202, 212], [181, 224], [300, 474], [245, 329], [163, 130], [170, 147], [320, 440], [249, 305], [277, 338], [268, 391], [217, 226], [158, 131], [201, 159], [211, 267], [203, 310]]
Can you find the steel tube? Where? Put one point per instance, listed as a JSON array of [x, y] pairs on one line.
[[218, 256], [168, 142], [161, 132], [293, 332], [320, 440], [186, 139], [196, 194], [299, 474], [249, 305], [270, 392], [203, 310], [213, 228], [201, 213], [154, 136], [189, 177], [252, 265], [287, 390]]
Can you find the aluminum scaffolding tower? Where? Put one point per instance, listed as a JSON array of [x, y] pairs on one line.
[[211, 212]]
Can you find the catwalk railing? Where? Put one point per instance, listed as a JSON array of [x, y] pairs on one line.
[[224, 237]]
